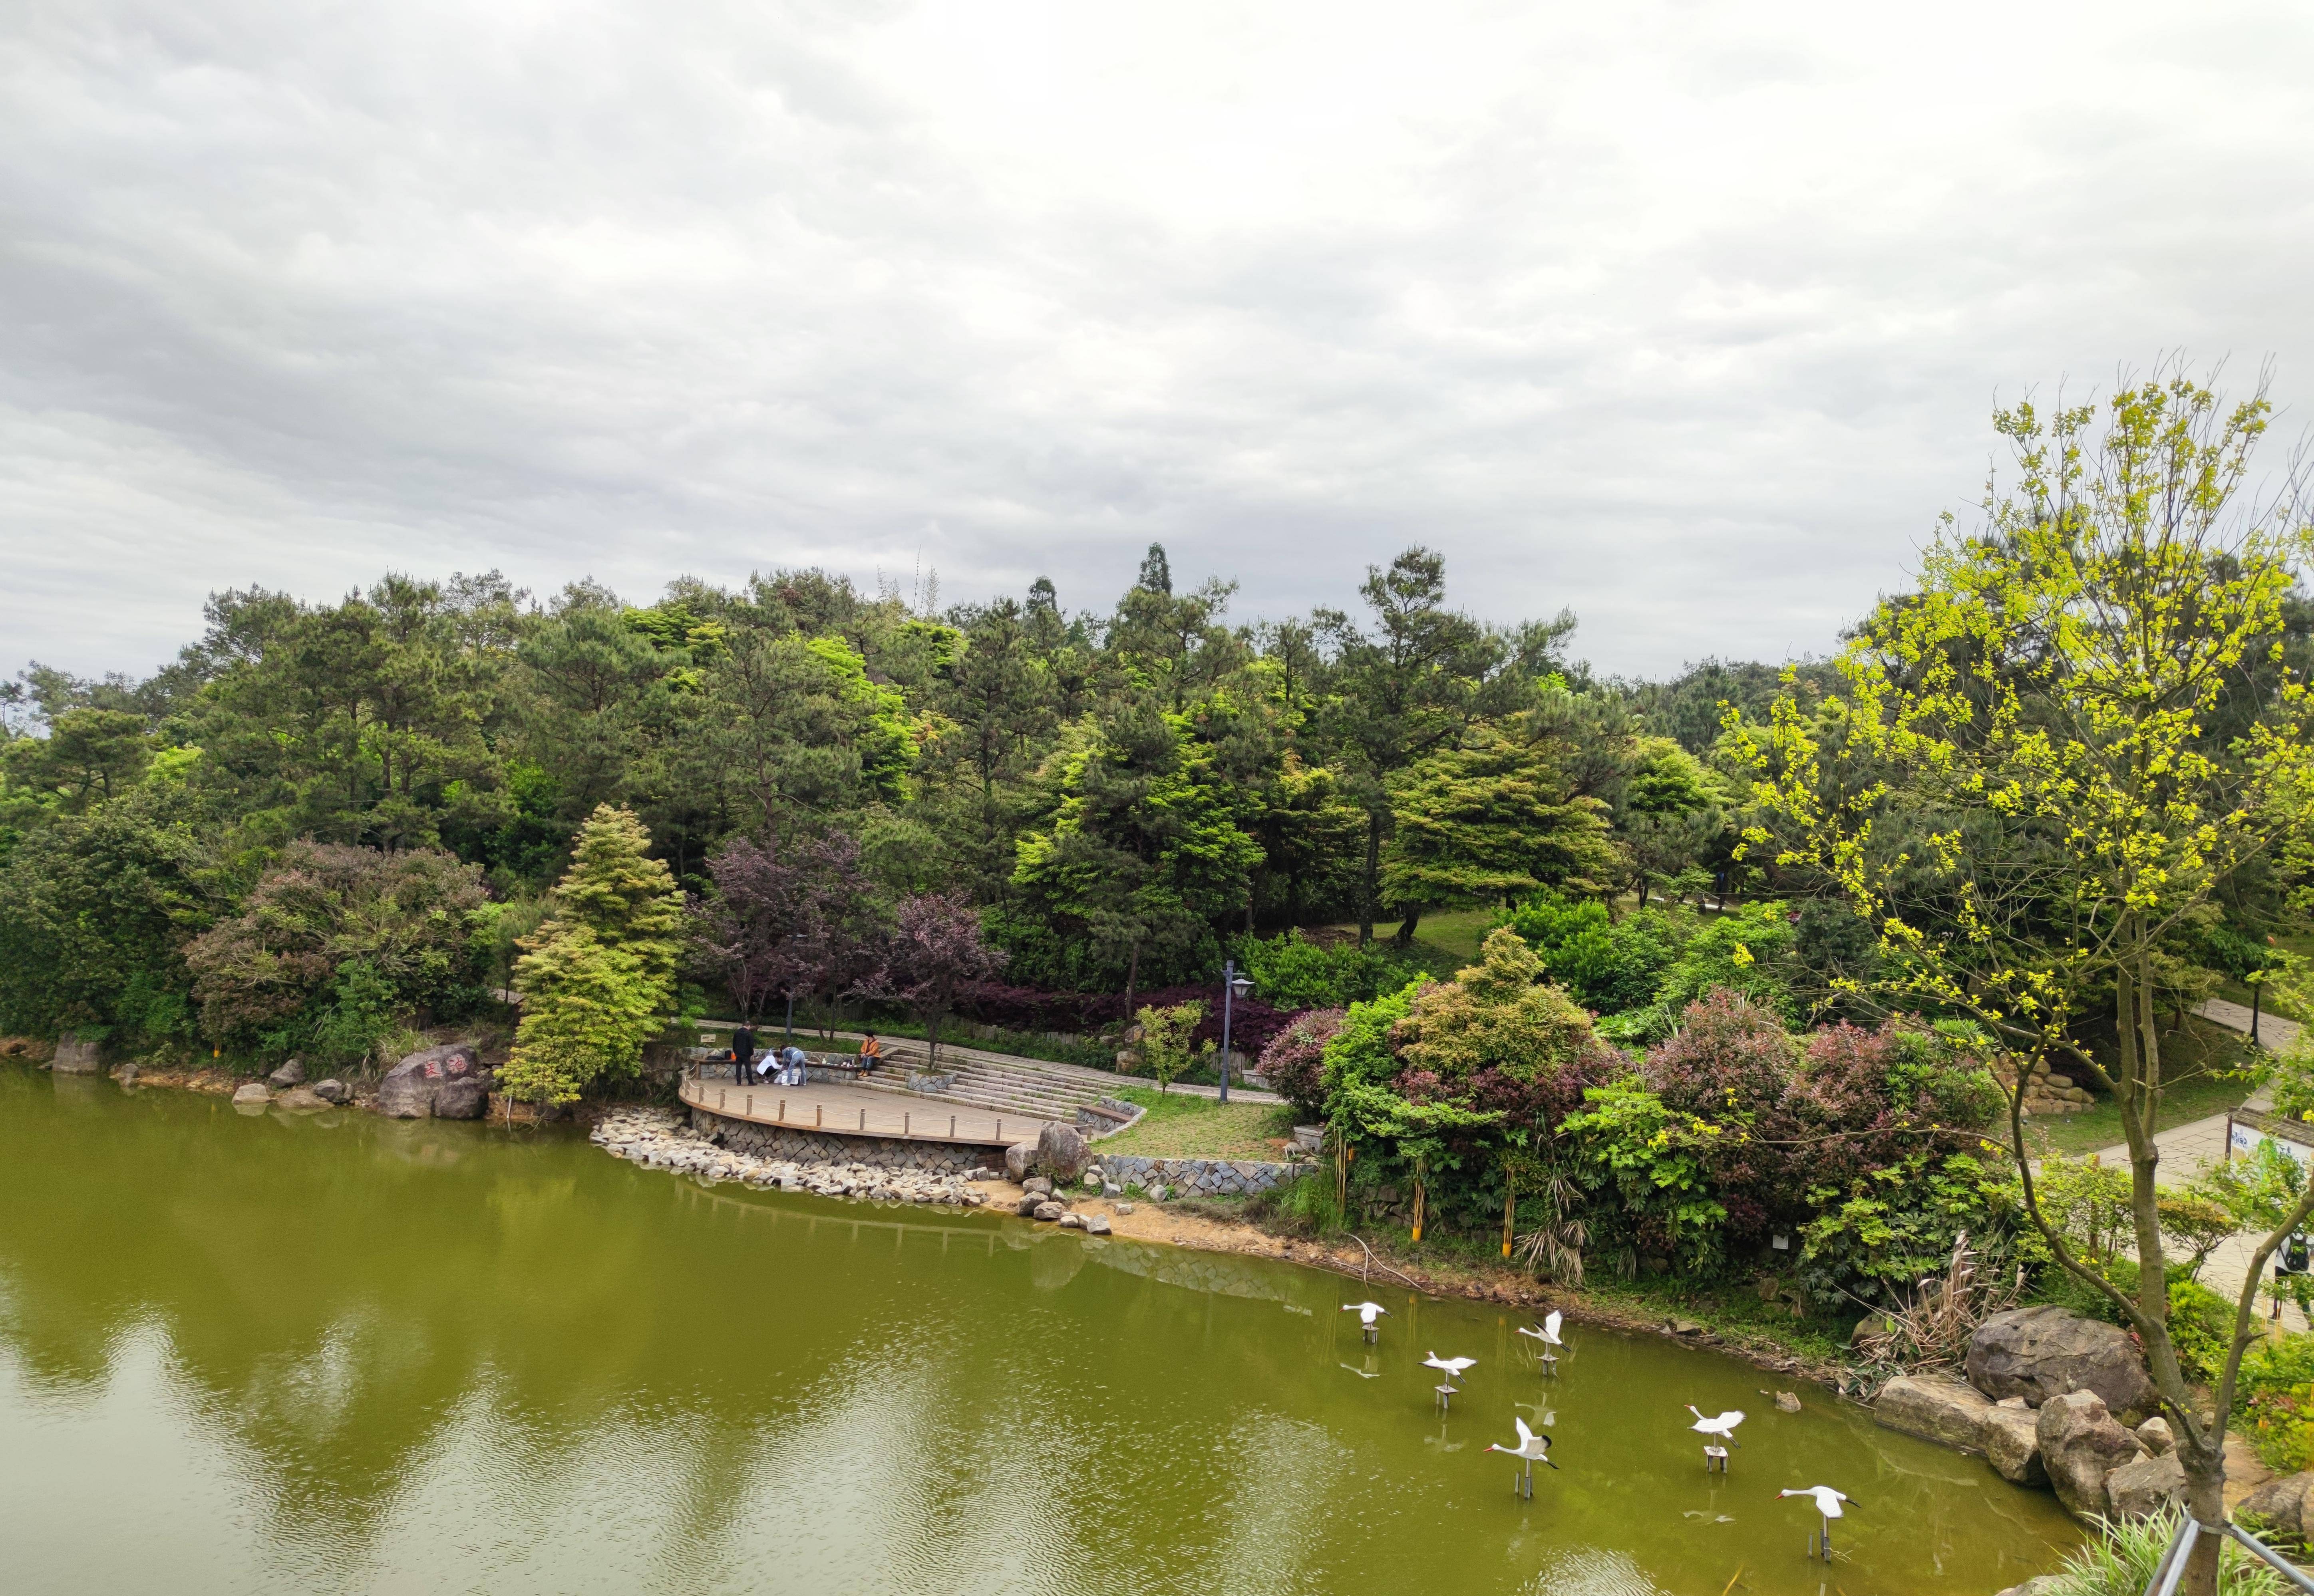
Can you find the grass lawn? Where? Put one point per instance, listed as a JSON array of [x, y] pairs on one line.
[[1443, 943], [2199, 1065], [1183, 1127]]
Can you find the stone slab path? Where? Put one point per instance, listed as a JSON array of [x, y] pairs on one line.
[[1077, 1074], [2189, 1149]]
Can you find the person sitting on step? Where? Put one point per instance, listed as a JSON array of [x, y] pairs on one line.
[[871, 1052]]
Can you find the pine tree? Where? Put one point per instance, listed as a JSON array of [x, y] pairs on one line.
[[1490, 823], [597, 978]]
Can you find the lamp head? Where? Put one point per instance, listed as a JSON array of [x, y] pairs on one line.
[[1242, 986]]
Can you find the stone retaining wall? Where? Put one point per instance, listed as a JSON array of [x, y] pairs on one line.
[[877, 1152], [1211, 1177]]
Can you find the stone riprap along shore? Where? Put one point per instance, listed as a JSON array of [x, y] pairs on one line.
[[660, 1139], [1207, 1177]]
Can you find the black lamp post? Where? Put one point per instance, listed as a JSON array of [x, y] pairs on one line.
[[1233, 986]]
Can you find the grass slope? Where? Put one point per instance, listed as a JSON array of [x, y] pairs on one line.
[[2203, 1068], [1190, 1127]]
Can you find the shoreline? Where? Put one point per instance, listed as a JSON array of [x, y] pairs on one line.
[[1168, 1225]]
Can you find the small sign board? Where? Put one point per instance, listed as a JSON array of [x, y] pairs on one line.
[[2246, 1129]]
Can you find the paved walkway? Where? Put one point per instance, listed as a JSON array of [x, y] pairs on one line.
[[2189, 1149], [855, 1111], [1079, 1074], [2272, 1031]]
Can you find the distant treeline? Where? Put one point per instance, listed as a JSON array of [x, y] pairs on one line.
[[1119, 793]]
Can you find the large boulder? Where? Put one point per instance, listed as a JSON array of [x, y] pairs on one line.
[[2246, 1471], [334, 1091], [2081, 1444], [1018, 1159], [252, 1093], [410, 1086], [75, 1057], [463, 1096], [2040, 1584], [2045, 1351], [1935, 1408], [301, 1099], [2285, 1506], [292, 1073], [2140, 1489], [1062, 1153], [2011, 1438]]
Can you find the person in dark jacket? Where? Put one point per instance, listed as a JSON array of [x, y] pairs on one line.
[[743, 1050]]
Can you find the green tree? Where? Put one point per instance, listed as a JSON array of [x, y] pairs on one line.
[[95, 911], [2036, 715], [1673, 808], [1142, 849], [89, 755], [400, 926], [1487, 822], [598, 979], [1164, 1046], [1415, 681]]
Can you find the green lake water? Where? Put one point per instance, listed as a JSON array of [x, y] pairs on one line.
[[248, 1353]]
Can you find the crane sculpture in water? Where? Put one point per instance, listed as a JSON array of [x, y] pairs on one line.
[[1718, 1434], [1367, 1313], [1546, 1332], [1532, 1449], [1451, 1368], [1827, 1503]]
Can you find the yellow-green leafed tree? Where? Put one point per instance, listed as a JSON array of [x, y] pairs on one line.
[[2019, 791], [597, 978]]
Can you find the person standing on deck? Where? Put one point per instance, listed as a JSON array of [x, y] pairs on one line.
[[743, 1050]]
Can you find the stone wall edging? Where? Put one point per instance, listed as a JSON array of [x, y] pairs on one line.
[[876, 1153], [1213, 1177]]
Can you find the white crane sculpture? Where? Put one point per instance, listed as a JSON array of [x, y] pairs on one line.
[[1548, 1334], [1827, 1503], [1720, 1429], [1532, 1449], [1367, 1313], [1451, 1368]]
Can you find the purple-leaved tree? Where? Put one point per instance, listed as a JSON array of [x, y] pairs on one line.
[[783, 925], [935, 948]]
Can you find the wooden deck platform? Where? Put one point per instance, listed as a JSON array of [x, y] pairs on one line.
[[856, 1111]]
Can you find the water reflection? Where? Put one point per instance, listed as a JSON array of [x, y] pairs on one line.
[[337, 1352]]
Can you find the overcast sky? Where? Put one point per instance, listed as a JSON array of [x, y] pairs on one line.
[[1688, 316]]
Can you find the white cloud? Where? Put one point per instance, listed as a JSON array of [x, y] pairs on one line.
[[1687, 315]]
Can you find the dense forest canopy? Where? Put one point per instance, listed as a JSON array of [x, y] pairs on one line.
[[1118, 792], [322, 814]]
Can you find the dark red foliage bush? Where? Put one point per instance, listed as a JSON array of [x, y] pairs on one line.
[[1294, 1061], [1253, 1024], [1730, 1056], [1733, 1064]]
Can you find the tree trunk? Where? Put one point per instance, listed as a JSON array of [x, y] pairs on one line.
[[1373, 886], [2205, 1499], [1132, 979], [931, 1043], [1405, 938]]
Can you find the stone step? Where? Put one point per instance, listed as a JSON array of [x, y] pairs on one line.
[[1026, 1105], [1009, 1080]]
